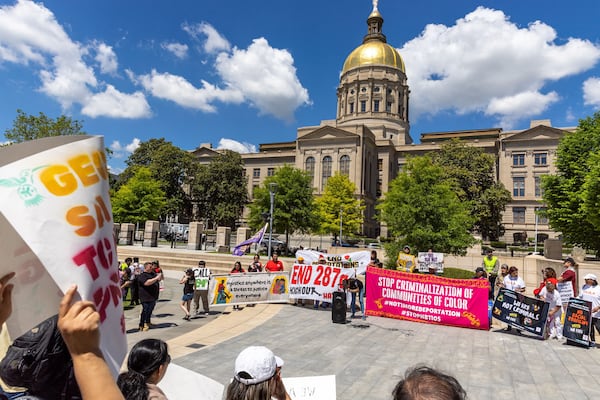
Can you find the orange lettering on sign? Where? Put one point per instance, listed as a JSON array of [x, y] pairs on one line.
[[62, 180], [80, 216]]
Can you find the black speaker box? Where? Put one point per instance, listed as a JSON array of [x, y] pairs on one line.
[[338, 309]]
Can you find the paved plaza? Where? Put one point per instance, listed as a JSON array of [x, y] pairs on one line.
[[369, 357]]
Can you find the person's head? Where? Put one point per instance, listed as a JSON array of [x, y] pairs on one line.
[[479, 272], [569, 262], [504, 269], [128, 260], [256, 375], [237, 266], [551, 284], [373, 255], [256, 257], [201, 264], [425, 383], [148, 266], [406, 249], [549, 273], [590, 279], [489, 253], [513, 271], [300, 260], [149, 358], [189, 272], [275, 256]]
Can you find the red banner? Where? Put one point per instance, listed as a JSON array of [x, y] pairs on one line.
[[427, 298]]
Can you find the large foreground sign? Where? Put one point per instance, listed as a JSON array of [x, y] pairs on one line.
[[522, 312], [577, 321], [428, 298]]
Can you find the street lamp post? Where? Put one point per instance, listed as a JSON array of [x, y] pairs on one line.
[[272, 189], [341, 213]]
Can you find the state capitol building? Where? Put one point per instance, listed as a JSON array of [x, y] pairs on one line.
[[369, 141]]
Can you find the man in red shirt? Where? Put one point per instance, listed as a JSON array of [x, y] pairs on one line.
[[569, 274], [274, 264]]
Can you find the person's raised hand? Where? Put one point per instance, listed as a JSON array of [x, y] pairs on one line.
[[6, 297], [79, 324]]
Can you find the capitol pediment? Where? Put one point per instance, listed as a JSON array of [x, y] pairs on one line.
[[540, 132], [328, 133]]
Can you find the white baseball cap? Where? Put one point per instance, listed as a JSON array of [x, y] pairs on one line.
[[256, 364], [590, 276]]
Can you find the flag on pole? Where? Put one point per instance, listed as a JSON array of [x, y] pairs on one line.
[[241, 248]]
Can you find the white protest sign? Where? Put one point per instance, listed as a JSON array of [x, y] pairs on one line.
[[57, 230], [252, 287], [182, 383], [430, 260], [566, 290], [311, 387], [357, 259]]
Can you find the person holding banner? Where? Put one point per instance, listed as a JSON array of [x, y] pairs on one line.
[[406, 261], [551, 296], [274, 264], [256, 265], [515, 283], [237, 269], [569, 274], [202, 278], [591, 292]]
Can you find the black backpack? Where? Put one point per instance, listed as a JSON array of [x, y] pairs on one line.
[[40, 361]]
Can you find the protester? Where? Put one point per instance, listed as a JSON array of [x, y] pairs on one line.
[[546, 273], [480, 273], [125, 265], [237, 269], [425, 383], [299, 260], [569, 274], [491, 264], [591, 292], [500, 279], [257, 376], [146, 365], [79, 325], [355, 287], [158, 270], [125, 281], [187, 280], [202, 279], [136, 270], [274, 264], [405, 261], [149, 291], [515, 283], [374, 261], [551, 296], [255, 265]]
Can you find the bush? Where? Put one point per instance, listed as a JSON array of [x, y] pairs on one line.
[[498, 245], [458, 273]]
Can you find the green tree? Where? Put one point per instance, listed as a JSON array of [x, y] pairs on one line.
[[171, 166], [339, 196], [138, 200], [294, 207], [29, 127], [571, 195], [220, 189], [473, 170], [422, 210]]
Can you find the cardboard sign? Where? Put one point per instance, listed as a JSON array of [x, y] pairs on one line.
[[578, 321], [180, 383], [522, 312], [427, 298], [57, 230]]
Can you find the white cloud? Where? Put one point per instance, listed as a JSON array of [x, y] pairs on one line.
[[591, 92], [120, 151], [214, 42], [240, 147], [266, 76], [112, 103], [486, 63], [31, 35], [179, 50], [179, 90], [106, 57]]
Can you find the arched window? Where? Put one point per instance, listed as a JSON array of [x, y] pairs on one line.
[[345, 165], [326, 171], [309, 166]]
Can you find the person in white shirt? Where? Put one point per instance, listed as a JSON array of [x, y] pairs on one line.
[[551, 296], [515, 283], [591, 292]]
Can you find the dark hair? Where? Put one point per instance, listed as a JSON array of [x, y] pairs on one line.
[[128, 259], [145, 358], [512, 269], [422, 382], [550, 272]]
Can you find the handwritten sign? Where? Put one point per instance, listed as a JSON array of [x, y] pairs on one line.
[[57, 219], [311, 387]]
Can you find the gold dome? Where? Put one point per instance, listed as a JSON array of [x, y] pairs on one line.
[[373, 52]]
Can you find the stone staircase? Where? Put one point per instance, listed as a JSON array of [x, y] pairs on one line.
[[181, 259]]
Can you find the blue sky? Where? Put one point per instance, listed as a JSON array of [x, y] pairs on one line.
[[236, 73]]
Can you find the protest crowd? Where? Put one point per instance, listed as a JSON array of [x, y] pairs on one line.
[[257, 371]]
